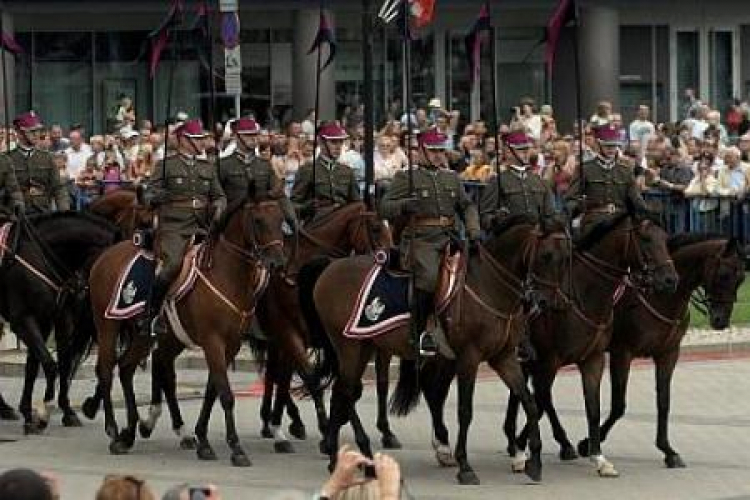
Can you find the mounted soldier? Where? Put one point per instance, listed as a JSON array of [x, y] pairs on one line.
[[11, 197], [34, 169], [187, 196], [243, 173], [331, 184], [517, 190], [606, 185], [431, 202]]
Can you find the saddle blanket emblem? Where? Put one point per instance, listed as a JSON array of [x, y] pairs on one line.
[[382, 304], [134, 284], [4, 233]]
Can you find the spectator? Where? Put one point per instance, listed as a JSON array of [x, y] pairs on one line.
[[124, 488], [129, 143], [559, 173], [389, 159], [529, 119], [77, 154], [744, 147], [478, 169], [732, 178], [603, 115], [697, 121], [187, 492], [704, 185], [57, 141], [347, 483], [111, 172], [690, 103], [125, 114], [144, 164], [308, 123], [87, 184], [642, 128], [25, 484]]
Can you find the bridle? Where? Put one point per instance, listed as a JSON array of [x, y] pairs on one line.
[[251, 249], [712, 292]]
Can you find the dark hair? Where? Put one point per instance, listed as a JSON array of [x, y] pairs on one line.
[[24, 484]]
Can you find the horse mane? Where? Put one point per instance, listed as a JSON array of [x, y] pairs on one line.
[[599, 231], [325, 218], [41, 219], [513, 221], [231, 209], [681, 240]]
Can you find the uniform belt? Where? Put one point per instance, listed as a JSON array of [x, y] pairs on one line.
[[609, 208], [434, 221], [195, 204], [34, 191]]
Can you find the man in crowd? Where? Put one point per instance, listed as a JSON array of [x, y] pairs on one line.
[[187, 195], [431, 208], [77, 153], [641, 128], [35, 170]]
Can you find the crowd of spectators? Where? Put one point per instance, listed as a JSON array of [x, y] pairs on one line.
[[704, 154]]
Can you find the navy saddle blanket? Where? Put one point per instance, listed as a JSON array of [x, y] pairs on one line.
[[381, 306], [133, 287]]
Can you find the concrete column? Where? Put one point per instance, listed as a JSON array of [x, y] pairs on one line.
[[600, 56], [599, 46], [304, 68]]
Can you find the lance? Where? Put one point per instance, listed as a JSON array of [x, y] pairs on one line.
[[6, 109]]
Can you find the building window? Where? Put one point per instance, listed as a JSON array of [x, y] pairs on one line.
[[721, 48], [688, 63]]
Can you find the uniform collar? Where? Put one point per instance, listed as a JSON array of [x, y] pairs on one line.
[[520, 170], [606, 163], [326, 162], [245, 157], [188, 160], [26, 151]]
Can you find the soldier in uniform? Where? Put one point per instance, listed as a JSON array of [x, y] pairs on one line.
[[34, 169], [186, 194], [11, 197], [438, 197], [335, 183], [606, 185], [243, 168], [517, 190]]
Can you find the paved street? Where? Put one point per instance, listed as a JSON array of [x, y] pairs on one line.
[[711, 417]]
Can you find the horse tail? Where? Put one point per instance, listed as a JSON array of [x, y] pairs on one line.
[[325, 367], [406, 396], [82, 330]]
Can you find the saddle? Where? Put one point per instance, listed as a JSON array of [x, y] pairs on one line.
[[382, 302], [135, 279]]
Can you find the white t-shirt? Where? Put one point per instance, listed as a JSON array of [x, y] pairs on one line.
[[77, 159], [640, 130]]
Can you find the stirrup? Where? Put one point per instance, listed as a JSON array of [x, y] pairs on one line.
[[425, 352]]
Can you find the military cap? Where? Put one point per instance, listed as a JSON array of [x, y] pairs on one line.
[[518, 140], [245, 126], [608, 135], [433, 139], [332, 131], [192, 129], [27, 121]]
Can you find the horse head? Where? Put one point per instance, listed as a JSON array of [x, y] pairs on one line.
[[368, 232], [721, 276], [256, 228], [550, 267]]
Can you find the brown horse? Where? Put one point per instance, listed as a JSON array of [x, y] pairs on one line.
[[336, 233], [484, 322], [213, 315], [577, 328], [123, 208], [654, 324]]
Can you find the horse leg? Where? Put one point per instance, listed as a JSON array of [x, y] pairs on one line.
[[281, 441], [467, 374], [619, 373], [382, 367], [266, 406], [129, 363], [107, 334], [32, 335], [665, 365], [203, 448], [91, 404], [296, 426], [217, 364], [543, 384], [7, 412], [64, 357], [439, 377], [147, 425], [31, 370], [510, 426], [509, 370], [591, 375]]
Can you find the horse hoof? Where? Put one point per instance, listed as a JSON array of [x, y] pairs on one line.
[[118, 447], [519, 462], [391, 442], [71, 420], [533, 469], [188, 443], [32, 429], [265, 432], [467, 478], [583, 448], [674, 462], [283, 447], [89, 408], [8, 413], [42, 423], [241, 460], [298, 431], [324, 448], [568, 453], [445, 459], [606, 469], [144, 430], [205, 452]]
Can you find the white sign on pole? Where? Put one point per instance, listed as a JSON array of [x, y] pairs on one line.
[[233, 70], [228, 5]]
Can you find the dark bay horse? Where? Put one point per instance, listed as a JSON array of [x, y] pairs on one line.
[[214, 314], [123, 208], [653, 325], [483, 323], [43, 285], [577, 327]]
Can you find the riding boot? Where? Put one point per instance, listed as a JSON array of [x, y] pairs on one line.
[[423, 307], [153, 324]]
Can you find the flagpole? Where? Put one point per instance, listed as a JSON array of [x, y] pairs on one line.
[[212, 85], [577, 71], [369, 144], [493, 83], [407, 91], [6, 109], [316, 118], [170, 88]]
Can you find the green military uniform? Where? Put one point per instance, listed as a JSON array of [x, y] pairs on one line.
[[516, 191], [184, 191], [240, 170], [39, 180], [11, 197], [606, 187], [440, 197], [335, 184]]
